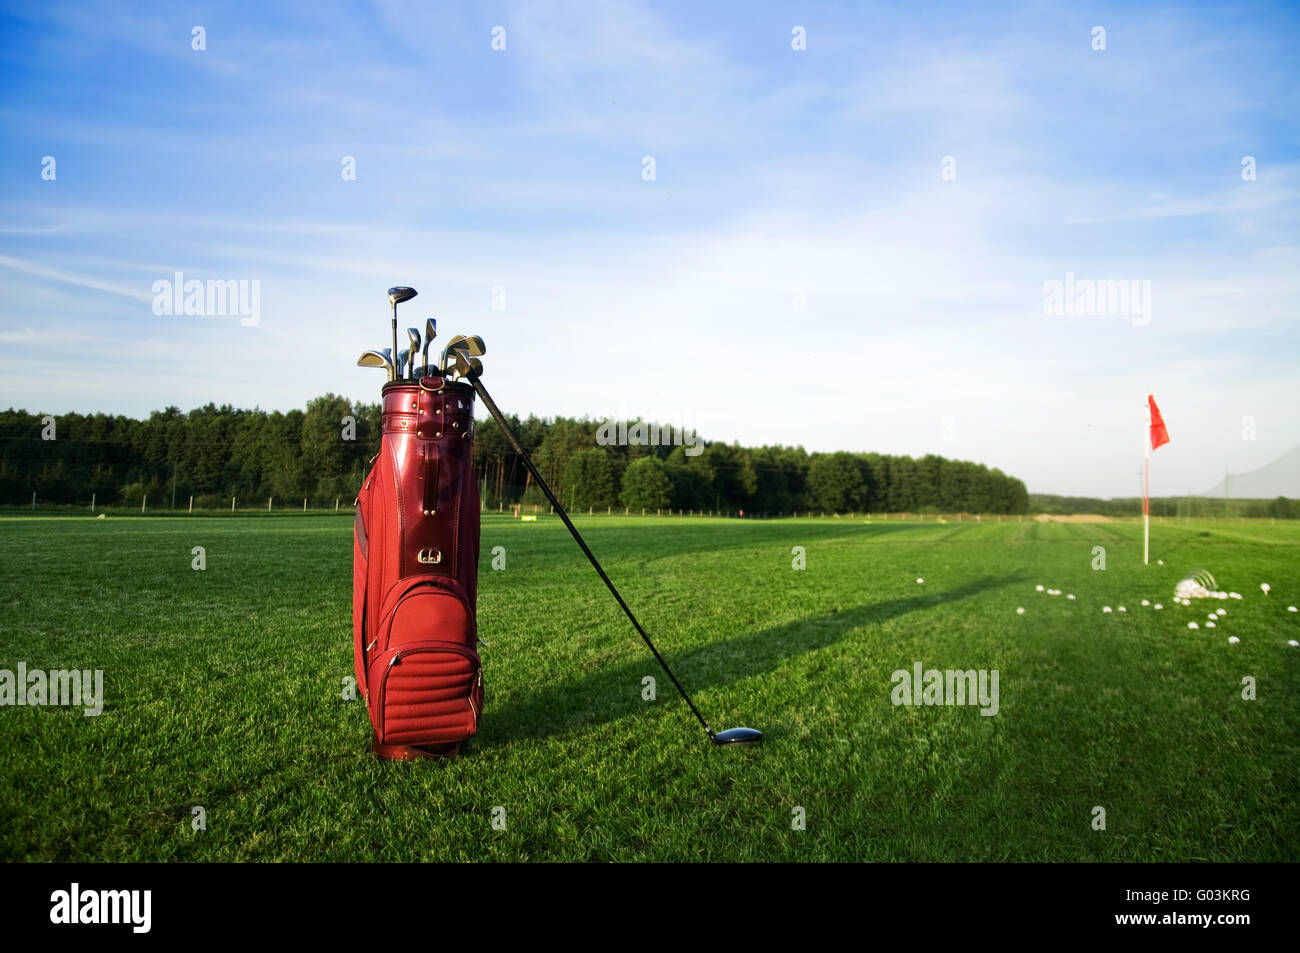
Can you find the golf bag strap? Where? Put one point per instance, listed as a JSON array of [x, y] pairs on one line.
[[430, 506]]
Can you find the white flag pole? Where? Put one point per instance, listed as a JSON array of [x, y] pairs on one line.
[[1146, 487]]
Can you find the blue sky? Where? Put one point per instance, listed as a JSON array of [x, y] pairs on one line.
[[781, 176]]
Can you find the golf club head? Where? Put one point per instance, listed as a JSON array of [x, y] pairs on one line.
[[413, 335], [430, 332], [374, 358], [472, 345], [737, 737], [402, 357], [401, 293], [448, 348], [459, 363]]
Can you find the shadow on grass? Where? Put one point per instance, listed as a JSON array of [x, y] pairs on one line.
[[610, 693]]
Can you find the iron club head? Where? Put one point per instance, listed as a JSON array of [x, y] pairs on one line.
[[430, 332], [402, 357], [413, 335], [472, 345], [447, 349], [738, 737], [376, 358]]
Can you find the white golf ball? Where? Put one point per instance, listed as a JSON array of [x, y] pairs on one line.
[[1192, 625], [1020, 611], [1122, 609], [1212, 616], [1293, 643], [1234, 595], [1290, 609], [1038, 588], [1209, 625], [1233, 640], [1106, 609], [1070, 596], [1146, 602], [1265, 587], [1160, 562], [1221, 611], [919, 580]]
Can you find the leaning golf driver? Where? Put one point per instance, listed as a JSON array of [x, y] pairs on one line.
[[732, 736]]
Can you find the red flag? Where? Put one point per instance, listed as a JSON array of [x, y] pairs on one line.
[[1159, 435]]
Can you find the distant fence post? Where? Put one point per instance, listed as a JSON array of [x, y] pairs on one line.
[[191, 504], [304, 504], [143, 500], [92, 502], [232, 504], [268, 503], [33, 501]]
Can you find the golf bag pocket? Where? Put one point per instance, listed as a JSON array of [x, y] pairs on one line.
[[424, 679], [426, 693]]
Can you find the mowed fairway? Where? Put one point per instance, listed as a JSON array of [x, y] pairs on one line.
[[223, 689]]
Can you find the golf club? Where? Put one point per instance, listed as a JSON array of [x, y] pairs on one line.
[[402, 358], [732, 736], [430, 332], [464, 366], [413, 335], [374, 358], [473, 346], [395, 297], [446, 351]]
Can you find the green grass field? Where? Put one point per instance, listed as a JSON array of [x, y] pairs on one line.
[[223, 689]]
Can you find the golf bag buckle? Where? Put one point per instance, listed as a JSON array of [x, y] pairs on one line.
[[429, 557]]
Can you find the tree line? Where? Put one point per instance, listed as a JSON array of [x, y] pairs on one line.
[[1184, 507], [322, 453]]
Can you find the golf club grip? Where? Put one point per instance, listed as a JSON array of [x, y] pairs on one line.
[[577, 537]]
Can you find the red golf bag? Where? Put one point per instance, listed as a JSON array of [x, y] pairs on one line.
[[415, 573]]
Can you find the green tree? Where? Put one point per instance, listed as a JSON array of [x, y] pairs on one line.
[[646, 485], [835, 483], [589, 478]]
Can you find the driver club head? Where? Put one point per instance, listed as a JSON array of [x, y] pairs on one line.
[[737, 737], [401, 293]]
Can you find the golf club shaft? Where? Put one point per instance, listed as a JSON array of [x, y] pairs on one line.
[[514, 442], [397, 370]]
